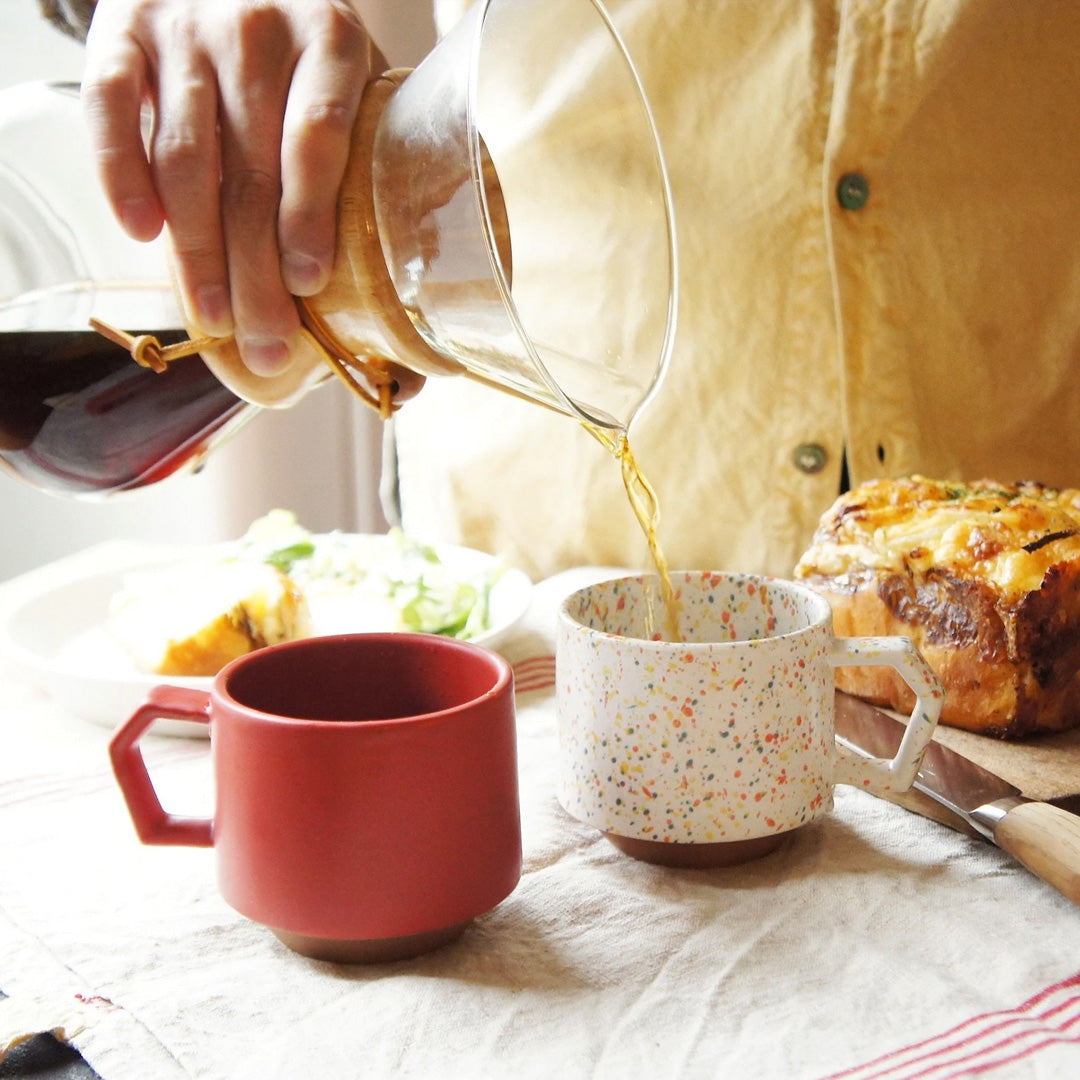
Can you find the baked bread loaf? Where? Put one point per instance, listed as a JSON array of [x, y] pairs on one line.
[[984, 577], [193, 618]]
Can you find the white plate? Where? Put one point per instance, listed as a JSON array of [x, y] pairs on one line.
[[57, 636]]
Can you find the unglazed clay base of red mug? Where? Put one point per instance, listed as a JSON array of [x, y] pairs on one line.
[[698, 856], [371, 950]]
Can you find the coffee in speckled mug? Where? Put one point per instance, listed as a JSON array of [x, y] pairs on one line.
[[711, 749]]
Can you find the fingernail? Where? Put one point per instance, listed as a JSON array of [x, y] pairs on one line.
[[212, 310], [265, 355], [302, 274], [140, 217]]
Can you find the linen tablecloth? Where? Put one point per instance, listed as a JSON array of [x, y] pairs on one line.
[[873, 944]]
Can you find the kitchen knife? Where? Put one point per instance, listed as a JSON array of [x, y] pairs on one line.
[[955, 791]]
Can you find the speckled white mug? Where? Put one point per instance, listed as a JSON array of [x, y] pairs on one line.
[[709, 750]]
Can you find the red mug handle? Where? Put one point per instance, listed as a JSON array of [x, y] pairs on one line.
[[152, 822]]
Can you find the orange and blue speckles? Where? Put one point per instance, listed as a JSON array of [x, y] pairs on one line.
[[723, 735]]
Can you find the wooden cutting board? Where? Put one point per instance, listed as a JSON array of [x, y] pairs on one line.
[[1042, 767]]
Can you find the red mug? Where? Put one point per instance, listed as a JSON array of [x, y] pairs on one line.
[[366, 789]]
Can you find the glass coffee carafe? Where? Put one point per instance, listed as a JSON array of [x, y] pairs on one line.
[[505, 217], [77, 416]]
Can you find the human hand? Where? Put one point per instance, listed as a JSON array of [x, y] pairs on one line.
[[252, 106]]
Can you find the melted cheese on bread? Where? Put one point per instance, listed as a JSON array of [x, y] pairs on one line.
[[1007, 535]]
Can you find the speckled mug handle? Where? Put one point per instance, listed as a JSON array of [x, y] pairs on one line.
[[882, 775]]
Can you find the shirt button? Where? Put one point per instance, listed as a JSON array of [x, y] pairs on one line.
[[853, 189], [810, 458]]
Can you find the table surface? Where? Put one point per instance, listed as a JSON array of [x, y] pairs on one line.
[[873, 944]]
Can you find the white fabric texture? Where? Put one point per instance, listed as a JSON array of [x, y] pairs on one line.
[[868, 933]]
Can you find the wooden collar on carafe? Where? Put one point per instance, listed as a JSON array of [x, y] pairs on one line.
[[148, 352]]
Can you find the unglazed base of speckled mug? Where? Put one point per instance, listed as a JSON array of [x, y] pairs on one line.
[[371, 950], [699, 856]]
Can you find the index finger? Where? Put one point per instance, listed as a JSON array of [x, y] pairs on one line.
[[324, 96], [114, 86]]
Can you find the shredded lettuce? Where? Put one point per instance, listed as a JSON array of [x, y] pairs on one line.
[[373, 582], [285, 558]]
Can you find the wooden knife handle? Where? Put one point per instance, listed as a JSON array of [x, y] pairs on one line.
[[1047, 841]]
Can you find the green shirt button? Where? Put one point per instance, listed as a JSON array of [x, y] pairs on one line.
[[853, 190], [810, 458]]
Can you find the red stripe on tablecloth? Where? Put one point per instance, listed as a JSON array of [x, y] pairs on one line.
[[985, 1042], [534, 673]]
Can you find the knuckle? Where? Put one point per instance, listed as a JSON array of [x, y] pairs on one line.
[[341, 29], [196, 251], [317, 133], [262, 18], [104, 83], [179, 151], [260, 34], [180, 27], [105, 89], [251, 195], [327, 117]]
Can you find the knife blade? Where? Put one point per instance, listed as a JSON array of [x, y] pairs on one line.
[[956, 791]]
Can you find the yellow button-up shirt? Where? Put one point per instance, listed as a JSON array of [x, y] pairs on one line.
[[878, 208]]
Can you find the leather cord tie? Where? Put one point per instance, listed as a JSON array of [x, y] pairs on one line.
[[148, 352]]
